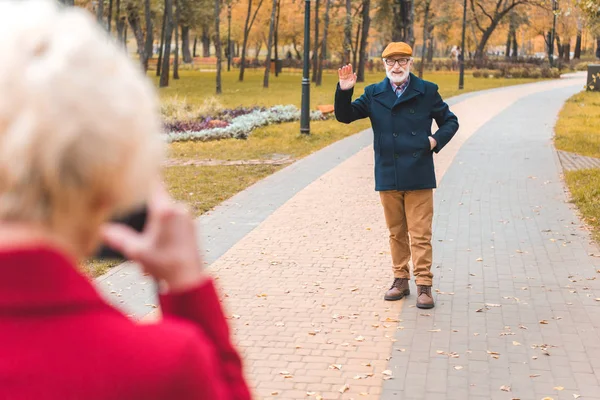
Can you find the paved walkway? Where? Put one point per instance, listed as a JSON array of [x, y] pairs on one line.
[[303, 283], [574, 161]]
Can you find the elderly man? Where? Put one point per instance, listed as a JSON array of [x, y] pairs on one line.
[[401, 109]]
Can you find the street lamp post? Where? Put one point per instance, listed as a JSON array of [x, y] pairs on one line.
[[461, 57], [305, 110]]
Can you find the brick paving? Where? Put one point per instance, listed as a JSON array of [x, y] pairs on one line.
[[574, 161], [303, 290]]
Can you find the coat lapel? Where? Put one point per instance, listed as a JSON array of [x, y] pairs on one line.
[[415, 88], [384, 94]]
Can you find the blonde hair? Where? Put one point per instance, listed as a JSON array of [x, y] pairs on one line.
[[79, 122]]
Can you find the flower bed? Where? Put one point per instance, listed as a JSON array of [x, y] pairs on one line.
[[233, 124]]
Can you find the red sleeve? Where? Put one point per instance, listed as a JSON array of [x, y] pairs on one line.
[[201, 306]]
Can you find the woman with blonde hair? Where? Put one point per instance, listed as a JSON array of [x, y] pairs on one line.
[[79, 144]]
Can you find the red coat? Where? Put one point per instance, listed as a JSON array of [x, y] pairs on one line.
[[60, 340]]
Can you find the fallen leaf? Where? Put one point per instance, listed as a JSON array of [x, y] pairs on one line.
[[544, 322], [523, 327], [344, 388], [425, 315], [390, 319], [435, 330], [492, 305], [279, 324], [576, 395], [274, 393], [515, 343], [505, 388], [548, 398], [559, 388], [534, 375], [479, 259], [387, 374], [359, 339], [458, 367], [495, 353], [335, 366]]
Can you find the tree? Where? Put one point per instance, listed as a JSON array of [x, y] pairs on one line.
[[247, 27], [402, 21], [218, 44], [100, 13], [366, 22], [492, 12], [270, 44], [323, 55], [315, 63], [348, 33], [426, 9], [133, 17], [176, 61], [164, 73]]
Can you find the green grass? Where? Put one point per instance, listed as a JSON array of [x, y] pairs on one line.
[[577, 126], [584, 186], [577, 131], [204, 187]]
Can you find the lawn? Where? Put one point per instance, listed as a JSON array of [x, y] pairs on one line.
[[577, 131]]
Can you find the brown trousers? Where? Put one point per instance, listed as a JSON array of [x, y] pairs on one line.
[[410, 213]]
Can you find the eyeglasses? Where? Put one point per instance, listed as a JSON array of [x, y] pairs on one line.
[[401, 62]]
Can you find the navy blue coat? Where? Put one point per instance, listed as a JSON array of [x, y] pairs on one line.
[[401, 128]]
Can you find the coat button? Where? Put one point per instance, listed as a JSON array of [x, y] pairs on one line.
[[413, 133], [395, 134], [396, 156], [412, 110], [415, 154]]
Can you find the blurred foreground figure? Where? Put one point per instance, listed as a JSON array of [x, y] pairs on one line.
[[79, 144]]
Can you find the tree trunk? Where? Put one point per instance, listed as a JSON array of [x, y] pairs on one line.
[[164, 73], [559, 48], [133, 18], [515, 47], [118, 22], [218, 44], [205, 42], [276, 37], [484, 39], [315, 57], [425, 31], [124, 33], [347, 33], [162, 43], [270, 44], [247, 26], [176, 27], [100, 13], [295, 46], [577, 52], [185, 44], [598, 47], [402, 22], [430, 49], [67, 2], [258, 48], [357, 44], [109, 17], [195, 45], [508, 43], [567, 52], [149, 47], [366, 20], [324, 44]]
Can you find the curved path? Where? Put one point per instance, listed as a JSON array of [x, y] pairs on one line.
[[302, 260]]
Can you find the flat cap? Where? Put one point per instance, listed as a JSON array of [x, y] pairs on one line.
[[397, 49]]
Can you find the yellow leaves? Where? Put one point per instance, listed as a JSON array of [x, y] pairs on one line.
[[515, 343], [505, 388], [344, 388], [387, 374], [336, 366], [559, 388], [286, 374], [359, 339], [544, 322]]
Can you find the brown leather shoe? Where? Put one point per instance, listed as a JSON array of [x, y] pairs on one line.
[[424, 299], [398, 290]]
